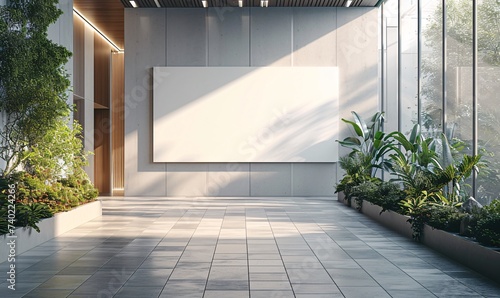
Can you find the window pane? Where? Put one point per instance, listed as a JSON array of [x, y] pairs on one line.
[[409, 67], [459, 74], [488, 96], [432, 63]]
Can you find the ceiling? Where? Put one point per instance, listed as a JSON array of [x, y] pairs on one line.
[[107, 15], [251, 3]]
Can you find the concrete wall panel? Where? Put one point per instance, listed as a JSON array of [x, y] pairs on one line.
[[273, 180], [228, 37], [182, 51], [314, 179], [347, 38], [271, 37], [228, 179], [314, 37], [187, 179], [145, 50]]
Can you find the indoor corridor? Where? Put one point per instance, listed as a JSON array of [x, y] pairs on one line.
[[237, 248]]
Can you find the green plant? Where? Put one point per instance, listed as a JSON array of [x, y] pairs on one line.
[[30, 214], [368, 139], [487, 227], [447, 218], [387, 195], [27, 212], [365, 191], [358, 169], [33, 82], [418, 210]]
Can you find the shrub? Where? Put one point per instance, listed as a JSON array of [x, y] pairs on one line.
[[447, 218], [29, 215], [27, 212], [358, 168], [388, 196], [487, 227]]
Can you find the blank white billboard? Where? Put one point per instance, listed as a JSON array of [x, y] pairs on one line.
[[245, 114]]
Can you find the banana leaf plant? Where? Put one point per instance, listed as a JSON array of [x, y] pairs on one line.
[[369, 140]]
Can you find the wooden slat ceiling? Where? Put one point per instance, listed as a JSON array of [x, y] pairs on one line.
[[107, 15]]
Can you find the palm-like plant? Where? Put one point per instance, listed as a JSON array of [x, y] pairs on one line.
[[358, 169]]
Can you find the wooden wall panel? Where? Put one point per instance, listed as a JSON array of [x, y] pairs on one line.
[[102, 71], [102, 163], [117, 122], [78, 57]]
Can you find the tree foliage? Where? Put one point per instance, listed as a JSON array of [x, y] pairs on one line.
[[33, 81]]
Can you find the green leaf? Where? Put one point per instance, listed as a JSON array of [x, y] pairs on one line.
[[361, 123], [446, 155], [355, 126], [415, 134]]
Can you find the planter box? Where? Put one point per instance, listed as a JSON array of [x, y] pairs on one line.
[[389, 219], [482, 259], [471, 254], [27, 238], [341, 198]]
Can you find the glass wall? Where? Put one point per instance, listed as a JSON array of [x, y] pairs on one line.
[[408, 62], [431, 92], [432, 72], [488, 76]]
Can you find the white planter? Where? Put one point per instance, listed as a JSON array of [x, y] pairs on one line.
[[473, 255], [27, 238]]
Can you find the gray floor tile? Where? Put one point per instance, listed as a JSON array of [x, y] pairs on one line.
[[329, 288], [228, 273], [220, 284], [356, 292], [308, 276], [64, 282], [226, 294], [272, 294], [48, 293], [238, 247], [134, 292], [257, 285]]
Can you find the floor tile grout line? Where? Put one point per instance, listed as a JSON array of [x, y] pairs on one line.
[[215, 250], [281, 256], [382, 257], [311, 220], [424, 260], [183, 251], [248, 251], [312, 250]]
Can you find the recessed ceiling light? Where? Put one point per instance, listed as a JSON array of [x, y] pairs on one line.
[[240, 3], [348, 3], [204, 3], [264, 3], [134, 5], [157, 3]]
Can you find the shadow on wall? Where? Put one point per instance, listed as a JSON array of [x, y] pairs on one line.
[[315, 31]]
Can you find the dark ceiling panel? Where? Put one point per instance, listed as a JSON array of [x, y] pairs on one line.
[[251, 3]]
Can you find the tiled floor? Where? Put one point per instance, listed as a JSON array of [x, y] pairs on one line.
[[237, 247]]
